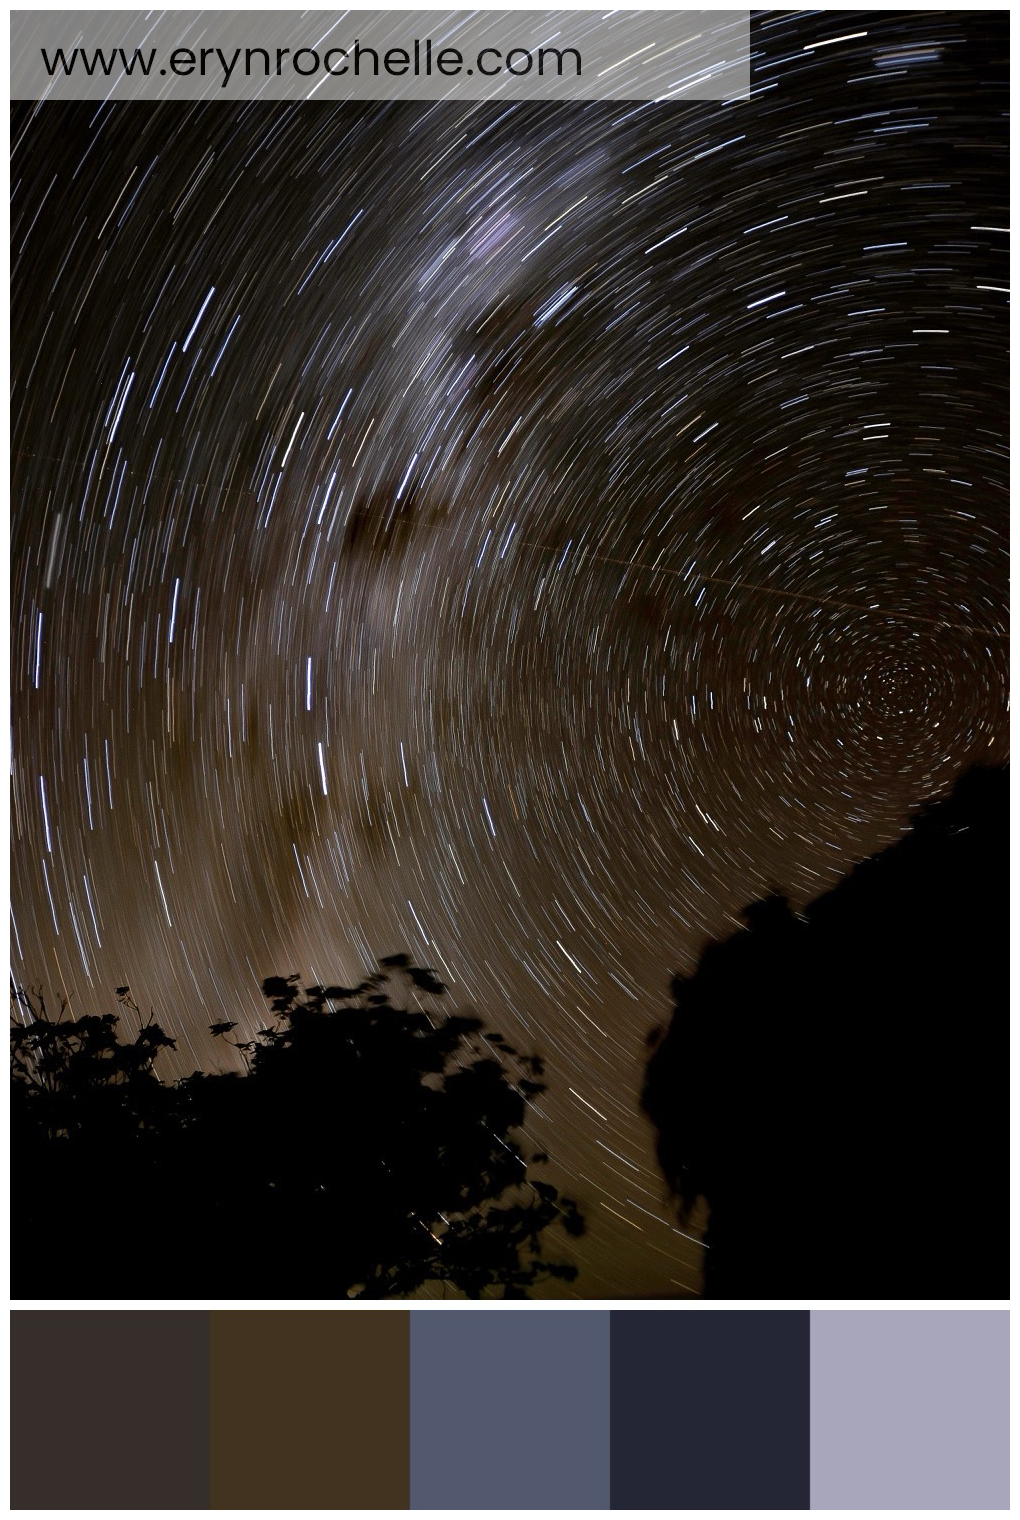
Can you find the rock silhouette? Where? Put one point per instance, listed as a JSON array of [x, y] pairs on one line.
[[834, 1082]]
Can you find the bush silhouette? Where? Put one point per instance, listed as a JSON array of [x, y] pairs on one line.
[[370, 1146], [833, 1083]]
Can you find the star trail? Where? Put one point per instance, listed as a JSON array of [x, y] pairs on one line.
[[517, 535]]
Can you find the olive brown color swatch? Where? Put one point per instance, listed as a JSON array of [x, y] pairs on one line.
[[309, 1409]]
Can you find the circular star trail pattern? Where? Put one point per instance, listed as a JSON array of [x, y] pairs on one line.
[[520, 536]]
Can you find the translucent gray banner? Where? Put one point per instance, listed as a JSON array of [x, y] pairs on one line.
[[379, 55]]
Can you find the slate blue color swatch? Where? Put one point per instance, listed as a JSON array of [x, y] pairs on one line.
[[510, 1410]]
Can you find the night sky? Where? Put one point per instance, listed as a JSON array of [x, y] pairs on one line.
[[517, 536]]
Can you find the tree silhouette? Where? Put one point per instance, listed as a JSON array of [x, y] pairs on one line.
[[370, 1146], [833, 1082]]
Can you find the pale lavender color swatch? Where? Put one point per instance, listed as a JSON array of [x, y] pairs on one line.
[[909, 1409]]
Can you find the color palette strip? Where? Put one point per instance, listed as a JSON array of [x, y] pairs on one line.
[[521, 1409]]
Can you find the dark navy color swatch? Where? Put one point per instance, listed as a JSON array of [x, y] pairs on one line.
[[510, 1410], [710, 1410]]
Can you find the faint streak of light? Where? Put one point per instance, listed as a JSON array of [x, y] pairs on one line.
[[831, 41], [621, 61], [570, 958], [162, 894], [173, 610], [194, 325], [407, 475], [638, 1227], [286, 453], [88, 898], [619, 1157], [594, 1110], [45, 814]]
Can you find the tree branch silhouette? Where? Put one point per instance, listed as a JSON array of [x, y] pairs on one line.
[[370, 1146]]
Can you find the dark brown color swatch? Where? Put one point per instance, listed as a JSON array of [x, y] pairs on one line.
[[310, 1409], [109, 1409]]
